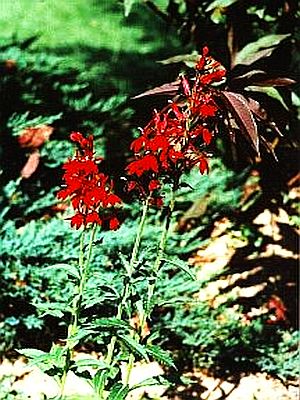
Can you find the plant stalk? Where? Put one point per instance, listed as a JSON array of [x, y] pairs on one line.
[[126, 292], [83, 265], [157, 263]]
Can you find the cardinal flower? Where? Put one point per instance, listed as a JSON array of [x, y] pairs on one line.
[[89, 190]]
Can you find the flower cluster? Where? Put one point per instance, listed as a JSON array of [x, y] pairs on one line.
[[174, 140], [89, 190]]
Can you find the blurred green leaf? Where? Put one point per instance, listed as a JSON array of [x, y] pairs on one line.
[[69, 269], [269, 91], [261, 48], [220, 4]]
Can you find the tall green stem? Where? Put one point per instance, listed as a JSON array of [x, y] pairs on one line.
[[157, 263], [83, 266], [126, 292], [159, 256]]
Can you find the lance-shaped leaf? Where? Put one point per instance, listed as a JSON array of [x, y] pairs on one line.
[[262, 115], [269, 91], [160, 355], [263, 47], [55, 309], [118, 392], [188, 59], [247, 78], [167, 89], [180, 264], [242, 114], [69, 269], [134, 346], [279, 81], [91, 362], [112, 322]]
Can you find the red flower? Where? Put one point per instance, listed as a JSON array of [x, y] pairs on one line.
[[153, 185], [207, 136], [114, 224], [173, 141], [145, 164], [138, 144], [77, 220], [89, 190], [93, 218], [203, 165]]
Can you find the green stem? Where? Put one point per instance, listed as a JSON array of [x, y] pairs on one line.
[[126, 292], [159, 256], [157, 263], [83, 265]]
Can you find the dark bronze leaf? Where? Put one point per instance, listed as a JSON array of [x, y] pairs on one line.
[[262, 115], [238, 107], [280, 81], [168, 89]]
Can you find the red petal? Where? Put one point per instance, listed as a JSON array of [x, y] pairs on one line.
[[203, 165], [114, 223], [207, 136]]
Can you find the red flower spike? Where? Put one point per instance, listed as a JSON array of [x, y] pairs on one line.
[[169, 144], [89, 190]]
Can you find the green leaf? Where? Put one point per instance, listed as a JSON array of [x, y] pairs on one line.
[[71, 270], [218, 16], [156, 380], [188, 59], [269, 91], [111, 323], [118, 392], [44, 360], [181, 265], [263, 47], [134, 346], [33, 353], [220, 4], [160, 355], [91, 362], [125, 263], [81, 334], [55, 309]]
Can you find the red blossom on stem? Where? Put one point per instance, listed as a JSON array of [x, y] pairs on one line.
[[175, 138], [89, 190]]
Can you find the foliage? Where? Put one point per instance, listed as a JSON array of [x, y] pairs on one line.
[[107, 301], [282, 360]]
